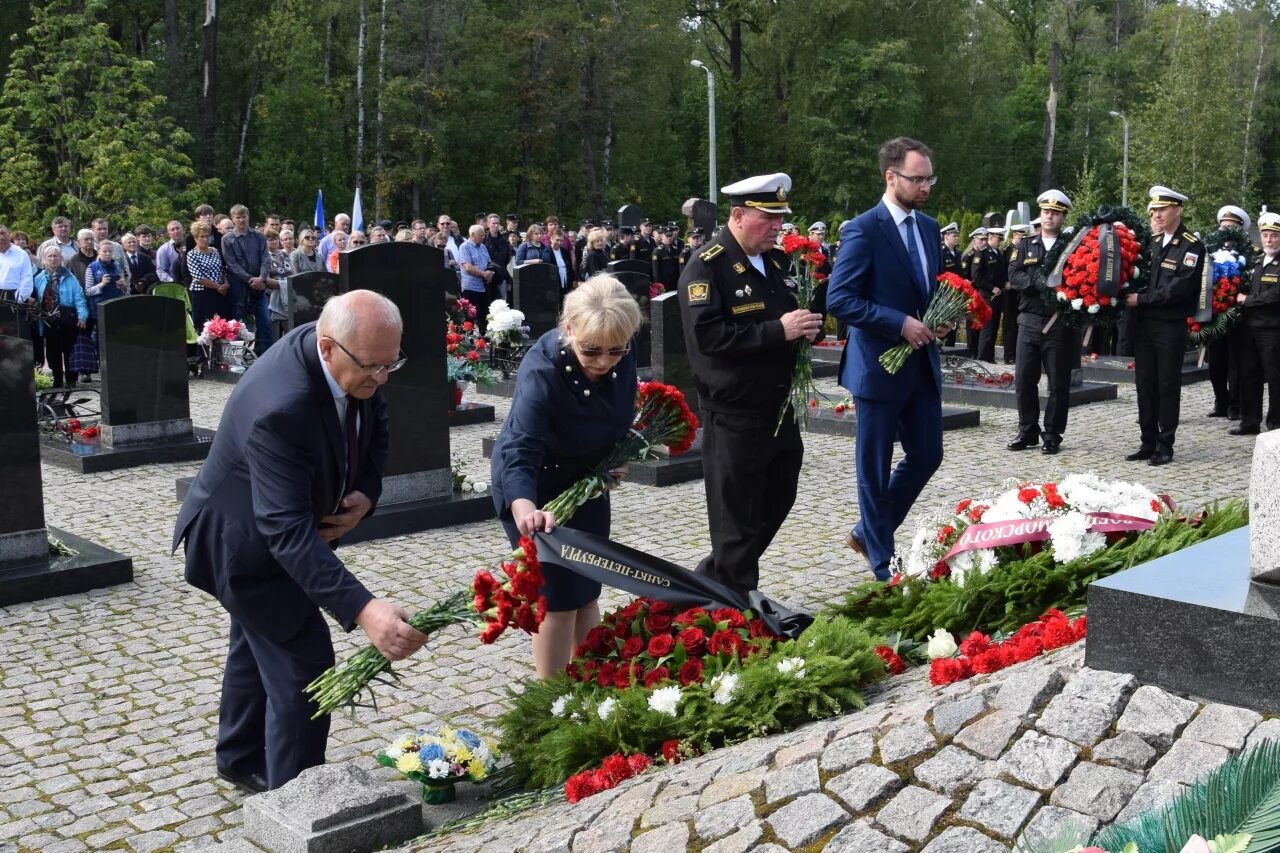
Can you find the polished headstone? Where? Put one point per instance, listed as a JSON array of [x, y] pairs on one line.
[[630, 214], [630, 265], [637, 284], [702, 214], [1004, 396], [670, 354], [536, 292], [1206, 629], [142, 341], [14, 322], [308, 292], [418, 395], [1119, 368], [22, 534]]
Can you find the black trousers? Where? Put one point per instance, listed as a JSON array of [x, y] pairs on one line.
[[1159, 347], [58, 342], [1123, 343], [264, 721], [1056, 353], [1009, 298], [1257, 350], [1223, 374], [479, 300], [987, 337], [751, 478]]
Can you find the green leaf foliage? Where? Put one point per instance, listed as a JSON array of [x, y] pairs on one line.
[[545, 749], [1021, 590], [1240, 797]]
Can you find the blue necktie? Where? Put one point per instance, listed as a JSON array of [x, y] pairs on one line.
[[913, 252]]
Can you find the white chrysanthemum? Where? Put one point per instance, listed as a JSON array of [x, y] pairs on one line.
[[438, 769], [1062, 297], [941, 645], [1071, 537], [605, 708], [497, 306], [1094, 308], [664, 700], [792, 666], [1008, 507], [480, 488], [1077, 303], [725, 685], [981, 560], [1224, 256], [558, 706], [393, 752]]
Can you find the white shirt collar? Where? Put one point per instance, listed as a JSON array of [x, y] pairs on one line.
[[334, 387], [896, 211]]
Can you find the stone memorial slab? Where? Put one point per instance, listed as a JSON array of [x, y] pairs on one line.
[[468, 413], [146, 413], [826, 421], [638, 284], [630, 214], [1003, 397], [701, 213], [1119, 368], [28, 569], [629, 265], [536, 292], [308, 292], [330, 808]]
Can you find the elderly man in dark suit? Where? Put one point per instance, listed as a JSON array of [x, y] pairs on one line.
[[296, 463], [884, 278]]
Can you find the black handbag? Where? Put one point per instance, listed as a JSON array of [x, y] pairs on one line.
[[66, 317]]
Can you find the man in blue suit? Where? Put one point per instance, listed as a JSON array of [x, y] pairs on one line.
[[884, 278], [296, 463]]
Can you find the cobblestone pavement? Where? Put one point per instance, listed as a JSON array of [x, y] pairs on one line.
[[108, 700]]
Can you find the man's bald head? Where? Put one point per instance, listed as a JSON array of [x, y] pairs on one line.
[[357, 332]]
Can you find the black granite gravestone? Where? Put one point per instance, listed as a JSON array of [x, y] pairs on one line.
[[630, 265], [536, 292], [28, 568], [637, 284], [308, 292], [630, 214], [702, 214], [670, 362], [146, 414]]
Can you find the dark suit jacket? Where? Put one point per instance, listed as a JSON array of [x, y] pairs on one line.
[[276, 467], [142, 272], [872, 290]]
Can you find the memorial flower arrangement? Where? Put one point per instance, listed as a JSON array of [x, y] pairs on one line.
[[613, 771], [499, 603], [807, 257], [505, 325], [1230, 254], [465, 347], [656, 289], [73, 429], [439, 759], [218, 329], [1073, 268], [979, 653], [955, 299]]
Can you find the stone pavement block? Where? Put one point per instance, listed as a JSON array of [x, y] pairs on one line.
[[728, 787], [669, 810], [864, 786], [847, 752], [723, 818], [791, 781], [962, 839], [1037, 760], [1266, 730], [1188, 760], [1125, 750], [1224, 725], [1096, 790], [950, 717], [905, 742], [803, 820], [1080, 721], [1150, 796], [912, 813], [332, 808], [1051, 822], [1155, 715], [999, 807], [740, 841], [1027, 690], [859, 837], [948, 771], [804, 751], [990, 735], [670, 838]]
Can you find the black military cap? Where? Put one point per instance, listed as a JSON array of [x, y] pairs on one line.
[[402, 226], [385, 224], [586, 222], [511, 217], [608, 223], [626, 230], [699, 232], [644, 221]]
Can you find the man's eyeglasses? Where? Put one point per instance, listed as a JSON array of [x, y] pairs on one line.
[[917, 180], [371, 369], [596, 352]]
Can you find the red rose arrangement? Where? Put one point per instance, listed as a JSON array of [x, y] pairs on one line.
[[953, 301], [656, 289], [978, 654], [75, 431], [1077, 295], [650, 643]]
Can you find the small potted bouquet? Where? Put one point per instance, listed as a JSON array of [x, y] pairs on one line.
[[441, 759]]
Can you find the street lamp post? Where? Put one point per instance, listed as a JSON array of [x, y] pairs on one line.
[[711, 125], [1124, 180]]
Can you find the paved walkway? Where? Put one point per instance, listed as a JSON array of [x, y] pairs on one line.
[[108, 700]]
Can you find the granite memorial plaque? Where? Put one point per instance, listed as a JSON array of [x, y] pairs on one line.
[[637, 284], [670, 355], [308, 292], [145, 407], [630, 265], [536, 292], [29, 570], [630, 214]]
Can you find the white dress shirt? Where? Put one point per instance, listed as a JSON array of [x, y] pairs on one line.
[[16, 272], [899, 214]]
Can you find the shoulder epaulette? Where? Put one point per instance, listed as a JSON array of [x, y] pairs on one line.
[[711, 253], [1191, 238]]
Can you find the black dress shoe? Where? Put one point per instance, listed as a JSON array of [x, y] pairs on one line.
[[1233, 414], [1215, 412], [1162, 457], [1243, 430], [1140, 454], [1023, 442], [1050, 448], [250, 783]]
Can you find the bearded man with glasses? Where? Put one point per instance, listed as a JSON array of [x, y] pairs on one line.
[[297, 462]]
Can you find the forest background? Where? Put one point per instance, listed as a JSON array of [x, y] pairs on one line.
[[141, 109]]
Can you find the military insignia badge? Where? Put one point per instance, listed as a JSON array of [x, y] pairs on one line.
[[738, 293], [1190, 259], [698, 292], [782, 193], [739, 268], [747, 290]]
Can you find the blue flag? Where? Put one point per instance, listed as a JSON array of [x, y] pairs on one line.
[[357, 217], [319, 218]]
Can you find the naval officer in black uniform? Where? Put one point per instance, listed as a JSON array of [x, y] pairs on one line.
[[1055, 351], [741, 324], [1258, 336], [1158, 324]]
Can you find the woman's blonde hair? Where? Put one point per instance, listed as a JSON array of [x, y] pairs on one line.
[[595, 239], [601, 312], [200, 227]]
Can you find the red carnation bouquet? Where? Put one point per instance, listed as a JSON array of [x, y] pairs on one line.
[[808, 258], [955, 300], [1078, 300], [978, 654]]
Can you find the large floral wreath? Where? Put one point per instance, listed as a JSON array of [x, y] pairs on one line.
[[1076, 299], [1231, 253]]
